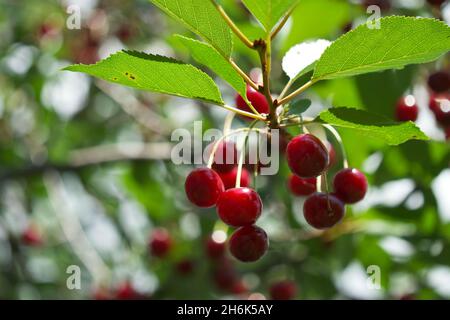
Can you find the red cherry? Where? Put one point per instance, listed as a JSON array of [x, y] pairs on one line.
[[203, 187], [185, 267], [350, 185], [436, 3], [406, 109], [323, 211], [257, 99], [439, 81], [239, 287], [229, 178], [248, 243], [332, 154], [225, 275], [447, 133], [160, 243], [307, 156], [126, 291], [214, 249], [302, 187], [440, 105], [32, 237], [283, 290], [226, 156], [239, 207]]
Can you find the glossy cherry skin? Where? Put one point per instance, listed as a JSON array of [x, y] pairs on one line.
[[440, 105], [406, 109], [302, 187], [160, 243], [229, 178], [307, 156], [226, 156], [257, 99], [248, 243], [439, 81], [215, 250], [283, 290], [350, 185], [203, 187], [239, 207], [323, 211]]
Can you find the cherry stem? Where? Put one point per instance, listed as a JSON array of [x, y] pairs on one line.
[[338, 138], [244, 113], [242, 156], [246, 78], [286, 89], [282, 23], [296, 92], [233, 26], [216, 145]]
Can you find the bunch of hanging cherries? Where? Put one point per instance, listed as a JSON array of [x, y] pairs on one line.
[[240, 206]]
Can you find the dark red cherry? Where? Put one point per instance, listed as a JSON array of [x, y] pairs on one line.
[[307, 156], [283, 290], [302, 187], [440, 105], [439, 81], [226, 156], [185, 267], [323, 211], [350, 185], [447, 133], [332, 154], [225, 274], [203, 187], [406, 109], [239, 207], [229, 178], [215, 249], [239, 287], [160, 243], [126, 291], [436, 3], [257, 99], [32, 237], [248, 243]]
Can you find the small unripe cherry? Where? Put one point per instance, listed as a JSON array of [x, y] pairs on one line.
[[440, 105], [225, 157], [283, 290], [229, 178], [323, 211], [203, 187], [302, 187], [257, 99], [439, 81], [350, 185], [239, 207], [406, 109], [307, 156], [160, 243], [249, 243]]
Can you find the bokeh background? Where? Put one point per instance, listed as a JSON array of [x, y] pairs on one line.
[[86, 176]]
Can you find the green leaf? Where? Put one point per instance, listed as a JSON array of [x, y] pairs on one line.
[[372, 125], [154, 73], [299, 106], [206, 55], [399, 41], [269, 12], [202, 18]]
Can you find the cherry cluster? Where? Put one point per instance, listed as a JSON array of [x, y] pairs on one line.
[[240, 206], [439, 104]]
